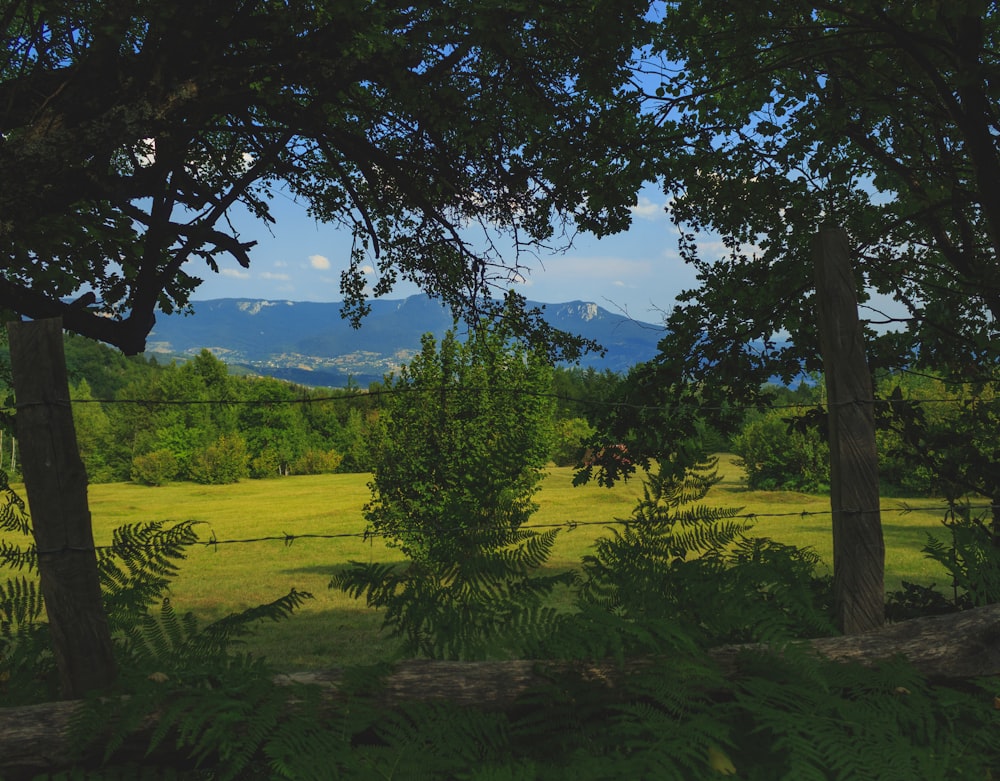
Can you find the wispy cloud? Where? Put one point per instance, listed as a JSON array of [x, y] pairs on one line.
[[609, 269], [647, 209], [235, 273], [320, 262], [272, 275]]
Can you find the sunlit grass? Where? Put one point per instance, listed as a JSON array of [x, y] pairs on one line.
[[334, 629]]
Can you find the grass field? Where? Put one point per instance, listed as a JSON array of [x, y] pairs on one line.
[[335, 630]]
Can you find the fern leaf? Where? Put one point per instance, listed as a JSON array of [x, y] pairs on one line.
[[221, 633], [13, 510], [20, 604], [18, 558]]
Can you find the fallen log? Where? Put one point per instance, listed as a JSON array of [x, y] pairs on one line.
[[34, 739]]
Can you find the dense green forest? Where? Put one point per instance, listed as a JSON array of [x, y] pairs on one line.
[[137, 419], [141, 420]]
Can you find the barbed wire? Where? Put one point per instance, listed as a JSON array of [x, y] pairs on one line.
[[583, 402], [288, 539]]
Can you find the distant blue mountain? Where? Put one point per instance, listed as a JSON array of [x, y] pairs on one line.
[[311, 344]]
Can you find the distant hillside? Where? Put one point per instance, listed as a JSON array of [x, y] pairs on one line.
[[310, 343]]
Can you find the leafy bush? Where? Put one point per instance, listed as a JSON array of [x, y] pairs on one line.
[[938, 437], [463, 442], [317, 462], [158, 467], [461, 447], [224, 462], [267, 463], [699, 569], [971, 556], [568, 441], [781, 453]]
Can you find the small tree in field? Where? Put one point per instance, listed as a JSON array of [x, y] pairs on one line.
[[461, 448], [458, 456], [224, 461], [158, 467]]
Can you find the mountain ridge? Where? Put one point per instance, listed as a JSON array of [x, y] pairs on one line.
[[310, 343]]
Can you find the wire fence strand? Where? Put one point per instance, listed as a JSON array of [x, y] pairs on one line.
[[379, 393], [288, 539]]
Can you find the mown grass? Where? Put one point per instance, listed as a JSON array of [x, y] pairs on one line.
[[335, 630]]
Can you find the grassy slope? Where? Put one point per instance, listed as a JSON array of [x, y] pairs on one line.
[[334, 629]]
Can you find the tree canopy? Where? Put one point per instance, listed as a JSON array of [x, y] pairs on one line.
[[778, 118], [133, 130], [462, 443], [788, 115]]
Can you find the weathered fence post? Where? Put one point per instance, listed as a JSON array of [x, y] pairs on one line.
[[858, 546], [56, 484]]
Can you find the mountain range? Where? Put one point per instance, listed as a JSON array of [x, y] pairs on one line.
[[310, 343]]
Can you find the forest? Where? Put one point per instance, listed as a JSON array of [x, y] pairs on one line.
[[456, 444], [830, 171], [140, 420]]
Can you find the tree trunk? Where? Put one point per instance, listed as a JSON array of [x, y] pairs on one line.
[[34, 739], [858, 546], [56, 484]]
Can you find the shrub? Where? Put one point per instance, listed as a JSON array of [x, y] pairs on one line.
[[461, 445], [317, 462], [268, 463], [226, 461], [158, 467], [568, 441], [780, 454]]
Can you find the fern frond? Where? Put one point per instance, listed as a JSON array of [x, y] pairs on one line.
[[227, 721], [20, 604], [306, 748], [486, 603], [432, 741], [972, 559], [138, 567], [815, 719], [13, 510], [18, 558], [221, 633], [28, 672]]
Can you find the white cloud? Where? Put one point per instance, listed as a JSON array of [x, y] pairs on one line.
[[274, 276], [606, 268], [367, 269], [319, 262], [648, 210], [235, 273]]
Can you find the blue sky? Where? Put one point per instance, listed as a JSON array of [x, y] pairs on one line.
[[637, 272]]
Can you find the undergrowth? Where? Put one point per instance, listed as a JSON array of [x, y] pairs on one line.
[[675, 580]]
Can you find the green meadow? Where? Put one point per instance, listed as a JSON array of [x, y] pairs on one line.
[[333, 629]]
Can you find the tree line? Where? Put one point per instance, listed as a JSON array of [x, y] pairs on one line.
[[139, 419]]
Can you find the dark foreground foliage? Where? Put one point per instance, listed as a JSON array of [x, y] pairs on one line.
[[674, 579]]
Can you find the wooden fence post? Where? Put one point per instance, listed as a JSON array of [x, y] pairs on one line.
[[858, 546], [56, 484]]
